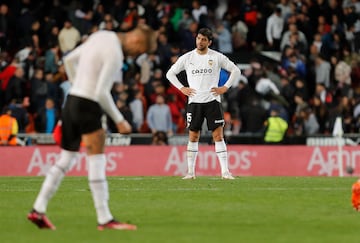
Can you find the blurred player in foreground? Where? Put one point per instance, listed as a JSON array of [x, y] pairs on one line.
[[92, 68], [355, 195], [202, 66]]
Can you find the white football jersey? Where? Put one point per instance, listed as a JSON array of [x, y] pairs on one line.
[[203, 73], [93, 67]]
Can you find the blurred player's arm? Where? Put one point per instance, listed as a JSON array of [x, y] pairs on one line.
[[70, 62], [106, 101]]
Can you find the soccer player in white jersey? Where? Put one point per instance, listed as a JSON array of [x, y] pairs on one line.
[[92, 68], [202, 66]]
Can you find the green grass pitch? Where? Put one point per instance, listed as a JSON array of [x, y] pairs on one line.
[[208, 209]]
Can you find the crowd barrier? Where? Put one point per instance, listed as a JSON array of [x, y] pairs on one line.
[[152, 160]]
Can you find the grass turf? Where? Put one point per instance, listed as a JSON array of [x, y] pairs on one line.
[[208, 209]]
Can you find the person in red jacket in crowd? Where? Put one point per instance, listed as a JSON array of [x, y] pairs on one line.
[[7, 73]]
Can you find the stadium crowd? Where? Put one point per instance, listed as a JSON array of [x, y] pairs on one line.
[[316, 80]]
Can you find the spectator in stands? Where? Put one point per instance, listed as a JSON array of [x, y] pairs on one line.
[[125, 111], [132, 14], [223, 39], [185, 21], [69, 37], [306, 123], [99, 13], [53, 89], [294, 61], [167, 27], [322, 71], [188, 37], [252, 116], [83, 17], [300, 88], [249, 10], [177, 118], [274, 28], [316, 45], [35, 36], [198, 9], [287, 90], [164, 51], [159, 117], [52, 59], [147, 63], [160, 138], [321, 112], [137, 108], [285, 7], [109, 23], [39, 90], [343, 73], [6, 27], [17, 87], [298, 37], [8, 73], [26, 57], [8, 128], [325, 95], [239, 32], [52, 37], [47, 117], [276, 128], [158, 89], [19, 110], [268, 91]]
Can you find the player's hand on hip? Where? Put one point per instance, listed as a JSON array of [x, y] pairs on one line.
[[123, 127], [188, 91], [219, 90]]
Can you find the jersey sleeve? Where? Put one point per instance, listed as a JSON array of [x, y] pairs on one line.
[[229, 66], [70, 62], [175, 69], [104, 86]]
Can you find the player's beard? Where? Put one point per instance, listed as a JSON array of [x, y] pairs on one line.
[[201, 48]]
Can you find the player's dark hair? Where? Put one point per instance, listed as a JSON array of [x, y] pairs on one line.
[[206, 32]]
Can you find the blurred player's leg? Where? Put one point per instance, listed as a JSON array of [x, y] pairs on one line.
[[40, 220], [355, 196], [49, 187], [100, 193], [114, 224], [53, 179], [99, 187]]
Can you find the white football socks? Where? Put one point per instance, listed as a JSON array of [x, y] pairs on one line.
[[221, 152], [53, 179], [192, 152], [99, 187]]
